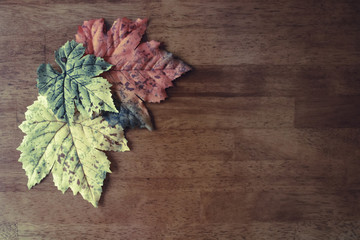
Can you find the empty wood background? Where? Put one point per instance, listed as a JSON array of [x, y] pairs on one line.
[[260, 141]]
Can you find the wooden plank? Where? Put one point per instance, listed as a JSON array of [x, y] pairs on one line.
[[309, 230], [323, 112], [254, 80], [300, 144], [256, 230], [224, 113], [277, 206], [88, 231], [145, 208]]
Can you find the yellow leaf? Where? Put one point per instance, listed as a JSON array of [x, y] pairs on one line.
[[71, 152]]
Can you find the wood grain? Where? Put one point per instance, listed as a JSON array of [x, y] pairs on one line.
[[260, 141], [341, 111]]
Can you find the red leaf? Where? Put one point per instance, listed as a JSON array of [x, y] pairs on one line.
[[141, 68]]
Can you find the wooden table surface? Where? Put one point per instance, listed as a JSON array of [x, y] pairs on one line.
[[260, 141]]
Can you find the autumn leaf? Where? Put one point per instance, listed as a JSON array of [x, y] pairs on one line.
[[71, 152], [141, 69], [77, 84]]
